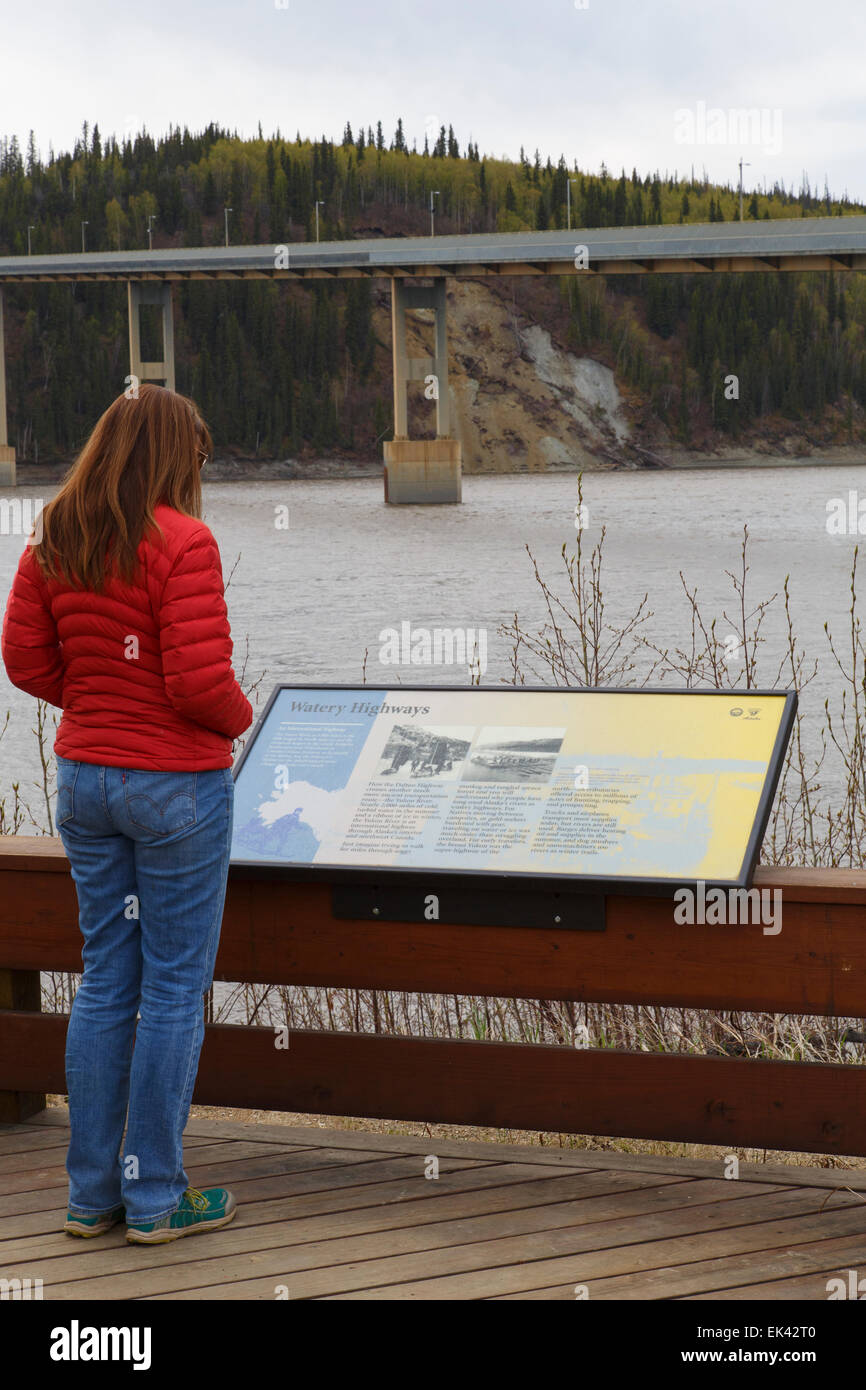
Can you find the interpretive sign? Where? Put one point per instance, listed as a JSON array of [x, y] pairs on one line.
[[516, 783]]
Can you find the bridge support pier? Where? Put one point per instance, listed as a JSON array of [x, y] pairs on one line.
[[421, 470], [138, 294], [7, 453]]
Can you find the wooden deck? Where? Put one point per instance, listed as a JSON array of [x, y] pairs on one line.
[[335, 1214]]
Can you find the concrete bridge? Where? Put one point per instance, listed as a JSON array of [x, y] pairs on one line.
[[430, 470]]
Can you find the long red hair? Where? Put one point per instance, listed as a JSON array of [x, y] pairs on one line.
[[145, 449]]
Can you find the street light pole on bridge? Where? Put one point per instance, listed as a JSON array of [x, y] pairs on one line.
[[741, 184]]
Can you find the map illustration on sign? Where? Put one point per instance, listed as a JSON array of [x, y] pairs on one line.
[[641, 786]]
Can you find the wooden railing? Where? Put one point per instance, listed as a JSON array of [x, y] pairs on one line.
[[285, 933]]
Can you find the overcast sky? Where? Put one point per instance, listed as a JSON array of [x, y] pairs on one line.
[[654, 85]]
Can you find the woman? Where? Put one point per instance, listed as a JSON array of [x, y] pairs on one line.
[[117, 616]]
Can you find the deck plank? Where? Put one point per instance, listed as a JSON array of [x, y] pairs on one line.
[[42, 1142], [774, 1274], [51, 1158], [29, 1177], [319, 1134], [336, 1214], [807, 1174], [49, 1202], [525, 1266], [370, 1184], [265, 1174], [811, 1286], [417, 1222], [396, 1186], [358, 1262]]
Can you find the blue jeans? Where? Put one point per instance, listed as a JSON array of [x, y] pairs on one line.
[[149, 853]]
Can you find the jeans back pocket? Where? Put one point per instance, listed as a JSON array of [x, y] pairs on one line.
[[161, 803], [67, 772]]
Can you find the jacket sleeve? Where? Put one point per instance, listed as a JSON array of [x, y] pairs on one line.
[[31, 649], [195, 641]]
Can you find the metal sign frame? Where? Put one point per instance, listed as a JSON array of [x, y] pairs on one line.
[[561, 885]]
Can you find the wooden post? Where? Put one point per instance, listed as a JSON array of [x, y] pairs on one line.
[[20, 989]]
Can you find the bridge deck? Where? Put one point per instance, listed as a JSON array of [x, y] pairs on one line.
[[796, 243], [343, 1214]]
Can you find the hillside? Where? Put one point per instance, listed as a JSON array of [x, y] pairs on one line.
[[545, 373]]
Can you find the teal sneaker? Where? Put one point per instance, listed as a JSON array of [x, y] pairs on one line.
[[93, 1225], [198, 1211]]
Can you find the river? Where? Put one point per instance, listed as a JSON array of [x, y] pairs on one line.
[[312, 597]]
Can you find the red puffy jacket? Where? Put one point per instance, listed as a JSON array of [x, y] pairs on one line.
[[142, 672]]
